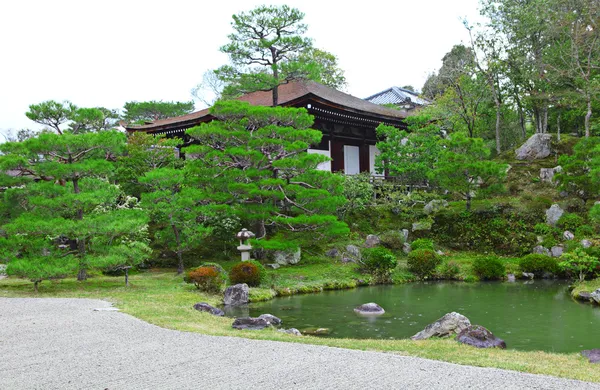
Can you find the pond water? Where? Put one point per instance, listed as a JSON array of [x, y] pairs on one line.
[[537, 315]]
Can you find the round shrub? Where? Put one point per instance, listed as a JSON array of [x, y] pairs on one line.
[[379, 262], [570, 221], [449, 270], [206, 278], [538, 264], [489, 268], [584, 231], [422, 243], [422, 262], [542, 229], [250, 272], [392, 239]]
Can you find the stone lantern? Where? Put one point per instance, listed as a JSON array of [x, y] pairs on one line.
[[244, 235]]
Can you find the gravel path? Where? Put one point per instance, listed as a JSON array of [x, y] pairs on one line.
[[65, 344]]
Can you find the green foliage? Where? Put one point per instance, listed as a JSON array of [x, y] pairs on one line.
[[392, 239], [585, 231], [543, 229], [538, 264], [250, 272], [253, 164], [489, 268], [449, 270], [569, 221], [578, 263], [577, 176], [358, 191], [422, 243], [595, 214], [82, 120], [150, 111], [422, 262], [379, 262], [205, 278]]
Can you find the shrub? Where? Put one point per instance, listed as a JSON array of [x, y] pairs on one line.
[[538, 264], [379, 262], [392, 239], [542, 229], [206, 278], [549, 241], [422, 262], [578, 263], [584, 231], [422, 243], [450, 270], [569, 221], [489, 268], [250, 272]]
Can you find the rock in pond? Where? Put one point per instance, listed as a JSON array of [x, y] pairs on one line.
[[203, 306], [593, 355], [480, 337], [372, 241], [584, 296], [250, 323], [451, 323], [528, 275], [315, 331], [595, 296], [511, 278], [236, 295], [271, 319], [369, 309], [292, 331]]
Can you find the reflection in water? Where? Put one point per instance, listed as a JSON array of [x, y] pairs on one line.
[[528, 316]]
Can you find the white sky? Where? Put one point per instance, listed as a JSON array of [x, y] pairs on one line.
[[105, 53]]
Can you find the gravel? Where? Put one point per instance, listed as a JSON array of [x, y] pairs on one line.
[[65, 344]]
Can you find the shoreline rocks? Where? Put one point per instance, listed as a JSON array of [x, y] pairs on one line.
[[205, 307], [480, 337], [593, 355], [236, 295], [449, 324]]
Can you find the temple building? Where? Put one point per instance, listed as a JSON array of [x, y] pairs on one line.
[[348, 123], [399, 97]]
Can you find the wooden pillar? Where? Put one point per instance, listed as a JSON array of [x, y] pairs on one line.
[[364, 157], [337, 155]]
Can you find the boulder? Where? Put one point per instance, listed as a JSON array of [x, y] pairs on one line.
[[405, 235], [421, 225], [556, 251], [352, 254], [536, 147], [540, 250], [316, 331], [593, 355], [434, 206], [511, 278], [547, 174], [372, 241], [369, 309], [567, 235], [595, 296], [270, 318], [292, 331], [236, 295], [586, 243], [480, 337], [528, 275], [333, 253], [287, 257], [203, 306], [249, 323], [406, 248], [553, 214], [449, 324], [584, 296]]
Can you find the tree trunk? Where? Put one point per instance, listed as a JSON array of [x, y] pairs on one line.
[[498, 145], [179, 263], [545, 120], [558, 127], [468, 201], [588, 116], [276, 77], [178, 241], [82, 274], [35, 286], [126, 276]]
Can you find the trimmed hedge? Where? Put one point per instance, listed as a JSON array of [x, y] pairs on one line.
[[489, 268], [422, 262], [250, 272], [538, 264]]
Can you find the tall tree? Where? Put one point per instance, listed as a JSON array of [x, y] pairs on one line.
[[77, 120], [260, 47], [141, 112]]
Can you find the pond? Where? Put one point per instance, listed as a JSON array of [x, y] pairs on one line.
[[537, 315]]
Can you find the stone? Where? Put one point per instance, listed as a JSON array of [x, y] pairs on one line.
[[528, 275], [593, 355], [273, 266], [480, 337], [271, 319], [372, 241], [563, 194], [347, 260], [539, 239], [451, 323], [316, 331], [511, 278], [287, 257], [406, 248], [250, 323], [369, 309], [292, 331], [540, 250], [352, 254], [535, 148], [434, 206], [595, 296], [421, 225], [236, 295], [440, 253], [586, 243], [547, 174], [107, 309], [553, 214], [333, 253], [2, 269], [203, 306], [567, 235], [405, 235], [556, 251], [584, 296], [547, 275]]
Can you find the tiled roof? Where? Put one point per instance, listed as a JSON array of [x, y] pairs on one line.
[[396, 95], [288, 93]]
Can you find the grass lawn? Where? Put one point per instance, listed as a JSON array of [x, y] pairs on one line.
[[161, 298]]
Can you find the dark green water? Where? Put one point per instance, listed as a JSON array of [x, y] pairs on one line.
[[536, 316]]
